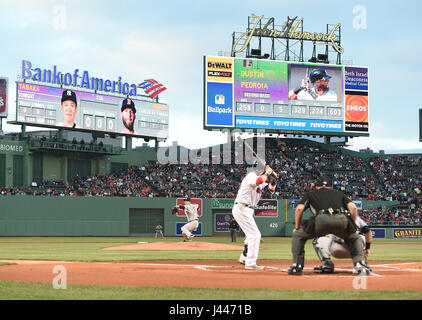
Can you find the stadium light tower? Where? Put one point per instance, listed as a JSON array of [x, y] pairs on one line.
[[420, 125]]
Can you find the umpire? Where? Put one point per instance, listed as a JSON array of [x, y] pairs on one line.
[[333, 213], [233, 227]]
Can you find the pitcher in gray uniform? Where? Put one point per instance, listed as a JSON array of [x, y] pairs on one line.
[[333, 213], [191, 212]]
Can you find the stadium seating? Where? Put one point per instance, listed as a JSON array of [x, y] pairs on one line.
[[388, 178]]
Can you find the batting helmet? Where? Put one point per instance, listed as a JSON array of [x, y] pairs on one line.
[[256, 167], [318, 74]]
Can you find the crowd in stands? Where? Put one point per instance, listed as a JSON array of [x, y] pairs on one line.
[[392, 216], [393, 178]]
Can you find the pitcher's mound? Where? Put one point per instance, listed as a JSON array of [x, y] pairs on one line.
[[178, 246]]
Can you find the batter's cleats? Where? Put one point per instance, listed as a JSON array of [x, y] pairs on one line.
[[295, 269], [254, 267], [361, 269], [242, 259]]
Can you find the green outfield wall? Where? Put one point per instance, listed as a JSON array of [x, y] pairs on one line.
[[117, 216]]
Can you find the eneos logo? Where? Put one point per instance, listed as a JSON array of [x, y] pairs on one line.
[[357, 108]]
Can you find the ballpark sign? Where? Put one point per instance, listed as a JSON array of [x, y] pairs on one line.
[[289, 30]]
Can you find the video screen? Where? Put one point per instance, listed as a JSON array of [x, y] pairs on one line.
[[72, 109], [315, 83]]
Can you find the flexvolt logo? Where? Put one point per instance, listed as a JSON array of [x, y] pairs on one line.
[[76, 79]]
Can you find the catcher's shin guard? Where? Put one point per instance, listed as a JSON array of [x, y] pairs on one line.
[[327, 267], [319, 251], [327, 264]]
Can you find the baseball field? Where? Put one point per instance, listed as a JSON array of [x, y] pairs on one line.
[[124, 268]]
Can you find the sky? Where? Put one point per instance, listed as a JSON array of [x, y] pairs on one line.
[[167, 40]]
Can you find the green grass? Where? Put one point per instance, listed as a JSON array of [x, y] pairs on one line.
[[89, 249], [12, 290]]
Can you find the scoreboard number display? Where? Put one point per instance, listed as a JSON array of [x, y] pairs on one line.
[[270, 94], [39, 105]]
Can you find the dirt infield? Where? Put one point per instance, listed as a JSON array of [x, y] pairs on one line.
[[176, 246], [217, 274]]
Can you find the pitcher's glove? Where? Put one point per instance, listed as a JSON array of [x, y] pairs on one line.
[[174, 210]]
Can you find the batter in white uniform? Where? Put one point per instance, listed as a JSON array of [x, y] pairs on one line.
[[249, 193], [191, 212], [319, 79], [333, 246]]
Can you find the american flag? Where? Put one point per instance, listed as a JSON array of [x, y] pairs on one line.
[[152, 87]]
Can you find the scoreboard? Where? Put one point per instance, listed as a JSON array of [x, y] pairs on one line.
[[39, 105], [278, 96]]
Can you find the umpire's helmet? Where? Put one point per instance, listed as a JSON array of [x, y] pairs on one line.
[[318, 74], [324, 182]]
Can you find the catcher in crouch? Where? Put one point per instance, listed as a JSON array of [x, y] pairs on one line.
[[333, 246], [191, 212]]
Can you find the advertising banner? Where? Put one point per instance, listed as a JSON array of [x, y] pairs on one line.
[[59, 107], [407, 233], [222, 203], [267, 208], [378, 233], [219, 111], [179, 226], [356, 78], [357, 111], [222, 222], [3, 97], [288, 123], [219, 69]]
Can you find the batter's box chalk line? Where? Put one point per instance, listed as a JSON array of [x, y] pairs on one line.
[[392, 267], [334, 274]]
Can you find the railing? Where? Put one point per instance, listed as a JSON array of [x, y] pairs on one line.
[[53, 145]]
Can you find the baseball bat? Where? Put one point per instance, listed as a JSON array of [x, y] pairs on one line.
[[255, 155], [308, 88]]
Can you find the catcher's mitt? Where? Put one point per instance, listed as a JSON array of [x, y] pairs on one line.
[[174, 210]]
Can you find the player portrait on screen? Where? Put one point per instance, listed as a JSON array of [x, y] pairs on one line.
[[128, 113], [314, 87], [69, 107]]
